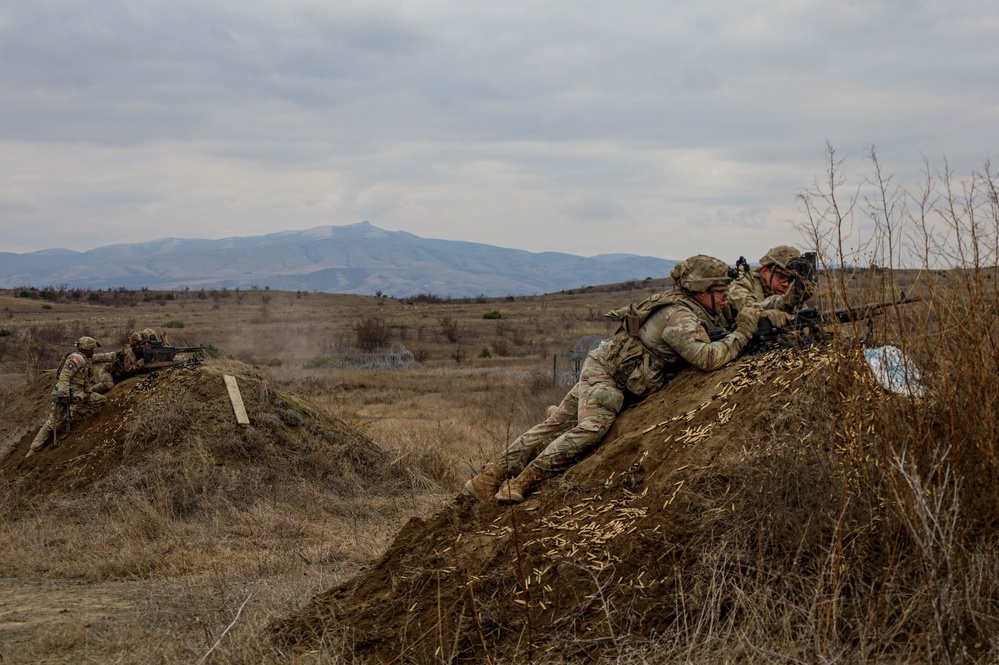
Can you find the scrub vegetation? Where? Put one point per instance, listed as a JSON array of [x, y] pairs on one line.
[[787, 508]]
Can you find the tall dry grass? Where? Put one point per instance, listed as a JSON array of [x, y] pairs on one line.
[[863, 528]]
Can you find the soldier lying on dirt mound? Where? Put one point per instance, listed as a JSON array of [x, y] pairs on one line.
[[72, 395], [123, 363], [658, 337], [770, 285]]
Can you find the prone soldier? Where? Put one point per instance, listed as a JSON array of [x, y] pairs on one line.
[[780, 286], [657, 338], [114, 366]]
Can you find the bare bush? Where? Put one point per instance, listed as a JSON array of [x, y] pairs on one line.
[[451, 329], [371, 333]]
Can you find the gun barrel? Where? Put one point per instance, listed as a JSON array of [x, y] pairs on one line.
[[860, 312], [163, 353]]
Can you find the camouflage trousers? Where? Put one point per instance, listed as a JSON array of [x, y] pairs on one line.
[[105, 381], [571, 430], [57, 416]]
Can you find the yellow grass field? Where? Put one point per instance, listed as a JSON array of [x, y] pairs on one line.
[[162, 531]]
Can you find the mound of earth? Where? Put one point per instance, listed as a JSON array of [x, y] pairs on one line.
[[597, 558], [183, 416]]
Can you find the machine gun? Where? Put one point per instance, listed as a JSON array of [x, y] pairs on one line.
[[158, 352], [848, 314], [810, 320]]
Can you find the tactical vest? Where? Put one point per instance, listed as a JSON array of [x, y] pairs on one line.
[[632, 364]]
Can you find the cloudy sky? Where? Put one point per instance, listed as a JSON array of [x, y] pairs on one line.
[[644, 126]]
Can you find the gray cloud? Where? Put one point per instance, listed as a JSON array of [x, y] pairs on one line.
[[528, 125]]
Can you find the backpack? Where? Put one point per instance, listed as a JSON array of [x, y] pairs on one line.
[[628, 360]]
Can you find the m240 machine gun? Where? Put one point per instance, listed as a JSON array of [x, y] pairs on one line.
[[159, 353], [810, 320]]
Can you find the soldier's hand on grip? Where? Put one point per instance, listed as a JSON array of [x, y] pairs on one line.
[[747, 320], [779, 318]]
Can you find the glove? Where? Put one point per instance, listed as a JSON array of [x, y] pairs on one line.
[[61, 392], [747, 319], [779, 318]]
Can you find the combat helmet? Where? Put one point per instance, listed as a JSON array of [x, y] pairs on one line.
[[136, 338], [150, 335], [781, 257], [87, 344], [701, 272]]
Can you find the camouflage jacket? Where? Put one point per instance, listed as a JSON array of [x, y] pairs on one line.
[[75, 376], [121, 362], [672, 334], [750, 289]]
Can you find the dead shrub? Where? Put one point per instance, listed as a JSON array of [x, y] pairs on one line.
[[501, 347], [451, 329], [371, 333]]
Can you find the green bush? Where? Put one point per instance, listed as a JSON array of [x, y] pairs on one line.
[[5, 333], [492, 314], [176, 323], [46, 306], [484, 353]]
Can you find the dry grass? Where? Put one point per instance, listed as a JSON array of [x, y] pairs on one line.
[[158, 567], [859, 528]]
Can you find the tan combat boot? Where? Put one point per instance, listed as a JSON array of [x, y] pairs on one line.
[[516, 489], [484, 485]]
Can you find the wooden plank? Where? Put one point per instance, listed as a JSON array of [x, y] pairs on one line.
[[236, 399]]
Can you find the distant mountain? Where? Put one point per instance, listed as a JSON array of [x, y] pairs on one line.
[[357, 258]]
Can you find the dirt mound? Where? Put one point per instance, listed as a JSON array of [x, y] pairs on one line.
[[176, 418], [598, 558]]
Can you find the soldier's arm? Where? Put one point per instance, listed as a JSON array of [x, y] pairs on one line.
[[129, 363], [785, 303], [741, 293], [685, 334], [106, 357]]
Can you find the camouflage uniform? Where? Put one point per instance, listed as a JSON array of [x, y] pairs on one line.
[[76, 376], [113, 366], [673, 336], [750, 287]]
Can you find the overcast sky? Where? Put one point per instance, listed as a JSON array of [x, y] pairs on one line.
[[651, 127]]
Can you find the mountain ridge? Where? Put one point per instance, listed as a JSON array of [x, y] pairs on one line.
[[356, 258]]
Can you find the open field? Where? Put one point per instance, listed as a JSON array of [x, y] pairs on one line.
[[163, 596], [182, 538]]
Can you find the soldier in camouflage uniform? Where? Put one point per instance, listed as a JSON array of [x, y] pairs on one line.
[[72, 390], [658, 337], [770, 286], [114, 366]]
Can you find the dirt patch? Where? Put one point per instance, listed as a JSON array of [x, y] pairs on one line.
[[594, 560], [25, 604]]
